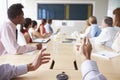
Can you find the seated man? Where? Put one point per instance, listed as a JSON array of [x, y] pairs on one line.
[[8, 38], [48, 27], [107, 34], [88, 67]]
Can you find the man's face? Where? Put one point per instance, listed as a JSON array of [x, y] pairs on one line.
[[103, 25], [21, 19]]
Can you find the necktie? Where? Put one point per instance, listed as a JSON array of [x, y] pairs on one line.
[[16, 34]]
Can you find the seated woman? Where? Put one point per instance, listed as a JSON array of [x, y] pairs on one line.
[[32, 31], [42, 30], [107, 34], [92, 29], [116, 19], [24, 29]]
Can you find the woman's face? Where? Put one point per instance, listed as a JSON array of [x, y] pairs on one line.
[[103, 25], [35, 27]]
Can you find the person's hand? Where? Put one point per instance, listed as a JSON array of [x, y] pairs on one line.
[[85, 49], [39, 60], [39, 46]]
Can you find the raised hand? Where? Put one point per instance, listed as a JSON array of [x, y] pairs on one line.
[[39, 60], [85, 49]]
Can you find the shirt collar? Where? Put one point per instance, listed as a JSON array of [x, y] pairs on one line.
[[14, 26]]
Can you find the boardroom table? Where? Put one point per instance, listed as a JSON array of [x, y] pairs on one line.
[[64, 58]]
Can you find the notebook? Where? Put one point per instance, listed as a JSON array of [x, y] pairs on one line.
[[106, 54], [68, 40], [41, 40]]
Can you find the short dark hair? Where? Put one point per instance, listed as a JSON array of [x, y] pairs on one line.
[[49, 21], [34, 23], [28, 22], [43, 21], [108, 21], [15, 10]]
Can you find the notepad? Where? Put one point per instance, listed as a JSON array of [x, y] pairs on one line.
[[40, 40], [106, 54], [70, 39]]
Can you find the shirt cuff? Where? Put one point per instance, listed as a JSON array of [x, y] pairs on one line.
[[31, 48], [22, 69], [88, 65]]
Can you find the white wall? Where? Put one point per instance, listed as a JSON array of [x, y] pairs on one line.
[[30, 10], [100, 10], [3, 12], [112, 5], [10, 2]]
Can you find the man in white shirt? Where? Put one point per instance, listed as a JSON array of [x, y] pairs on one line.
[[8, 71], [8, 42], [48, 27], [107, 34], [89, 67]]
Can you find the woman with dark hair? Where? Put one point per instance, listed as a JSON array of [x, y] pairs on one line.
[[42, 30], [24, 29], [32, 31]]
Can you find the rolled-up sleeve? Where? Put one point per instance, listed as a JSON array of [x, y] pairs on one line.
[[90, 71], [10, 71]]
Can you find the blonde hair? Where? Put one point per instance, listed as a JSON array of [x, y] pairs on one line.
[[92, 20]]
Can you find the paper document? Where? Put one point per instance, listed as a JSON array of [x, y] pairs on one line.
[[40, 40], [71, 39], [106, 54]]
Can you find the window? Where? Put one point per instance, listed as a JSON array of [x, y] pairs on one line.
[[64, 11], [53, 11]]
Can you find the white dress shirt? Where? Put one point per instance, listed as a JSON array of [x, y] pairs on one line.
[[8, 72], [8, 43], [20, 39], [30, 31], [90, 71], [106, 36], [48, 28]]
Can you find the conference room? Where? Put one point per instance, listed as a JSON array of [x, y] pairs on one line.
[[70, 48]]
